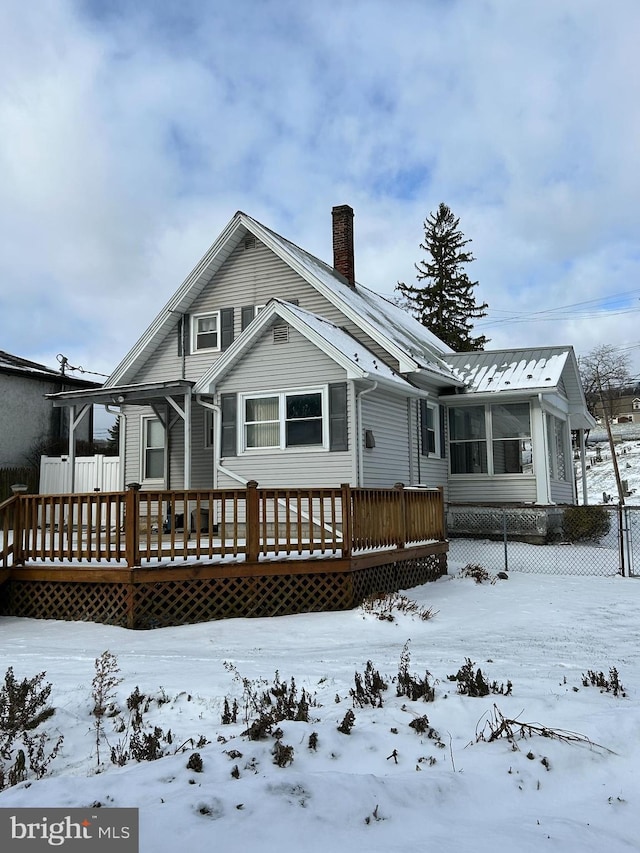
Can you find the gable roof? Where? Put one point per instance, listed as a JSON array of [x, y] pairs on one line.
[[401, 335], [358, 361], [534, 371]]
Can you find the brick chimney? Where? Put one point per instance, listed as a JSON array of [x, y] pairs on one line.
[[343, 260]]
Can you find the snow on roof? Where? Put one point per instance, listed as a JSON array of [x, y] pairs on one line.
[[510, 370], [348, 346], [23, 365], [33, 370], [388, 319]]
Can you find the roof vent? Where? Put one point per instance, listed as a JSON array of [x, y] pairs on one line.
[[281, 334], [249, 242]]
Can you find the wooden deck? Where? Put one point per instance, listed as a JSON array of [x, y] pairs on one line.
[[152, 559]]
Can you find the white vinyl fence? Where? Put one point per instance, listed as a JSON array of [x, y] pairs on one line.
[[93, 473]]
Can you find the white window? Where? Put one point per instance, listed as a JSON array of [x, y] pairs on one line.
[[205, 330], [429, 429], [556, 447], [153, 449], [285, 419], [490, 440]]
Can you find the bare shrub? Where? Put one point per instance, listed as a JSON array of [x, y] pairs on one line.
[[410, 685]]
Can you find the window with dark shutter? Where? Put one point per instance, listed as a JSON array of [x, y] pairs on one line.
[[338, 435], [428, 440], [226, 328], [229, 408], [247, 313], [424, 438]]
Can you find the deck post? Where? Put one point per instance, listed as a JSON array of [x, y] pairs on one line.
[[442, 533], [131, 525], [347, 529], [252, 522], [17, 523], [401, 538]]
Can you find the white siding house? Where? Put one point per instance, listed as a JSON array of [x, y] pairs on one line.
[[268, 364]]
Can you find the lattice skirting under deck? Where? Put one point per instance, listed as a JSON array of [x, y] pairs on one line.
[[183, 602]]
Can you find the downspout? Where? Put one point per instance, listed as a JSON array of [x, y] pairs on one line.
[[360, 442], [213, 407], [122, 437]]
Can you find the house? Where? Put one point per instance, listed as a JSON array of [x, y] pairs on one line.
[[28, 421], [270, 365]]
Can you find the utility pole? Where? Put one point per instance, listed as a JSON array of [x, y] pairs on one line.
[[614, 458]]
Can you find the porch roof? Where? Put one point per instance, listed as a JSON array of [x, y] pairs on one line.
[[545, 370], [117, 395]]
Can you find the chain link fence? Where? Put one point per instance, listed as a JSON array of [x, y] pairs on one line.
[[567, 540]]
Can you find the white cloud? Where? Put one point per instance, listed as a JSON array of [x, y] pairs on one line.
[[131, 135]]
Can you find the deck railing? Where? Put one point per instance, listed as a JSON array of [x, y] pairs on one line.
[[139, 528]]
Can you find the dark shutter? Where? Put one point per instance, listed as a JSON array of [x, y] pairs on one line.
[[443, 432], [229, 408], [338, 436], [226, 328], [183, 335], [424, 432], [247, 313]]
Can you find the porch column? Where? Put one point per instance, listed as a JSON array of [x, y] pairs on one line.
[[583, 465], [74, 422], [540, 454], [187, 440]]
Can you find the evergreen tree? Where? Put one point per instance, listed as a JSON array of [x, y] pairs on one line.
[[445, 303], [113, 441]]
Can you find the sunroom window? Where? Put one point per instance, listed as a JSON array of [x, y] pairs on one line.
[[511, 430], [491, 440], [556, 447], [468, 444]]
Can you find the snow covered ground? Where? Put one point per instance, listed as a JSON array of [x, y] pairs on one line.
[[601, 477], [454, 792], [566, 779]]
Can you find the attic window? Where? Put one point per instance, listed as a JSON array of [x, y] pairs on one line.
[[281, 334], [249, 242]]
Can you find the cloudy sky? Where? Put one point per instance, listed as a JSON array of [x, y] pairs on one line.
[[132, 131]]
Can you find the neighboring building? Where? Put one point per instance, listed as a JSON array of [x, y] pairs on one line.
[[28, 421], [270, 365]]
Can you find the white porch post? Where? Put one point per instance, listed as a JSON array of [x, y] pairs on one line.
[[583, 463], [187, 439], [74, 422], [185, 414], [540, 455]]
